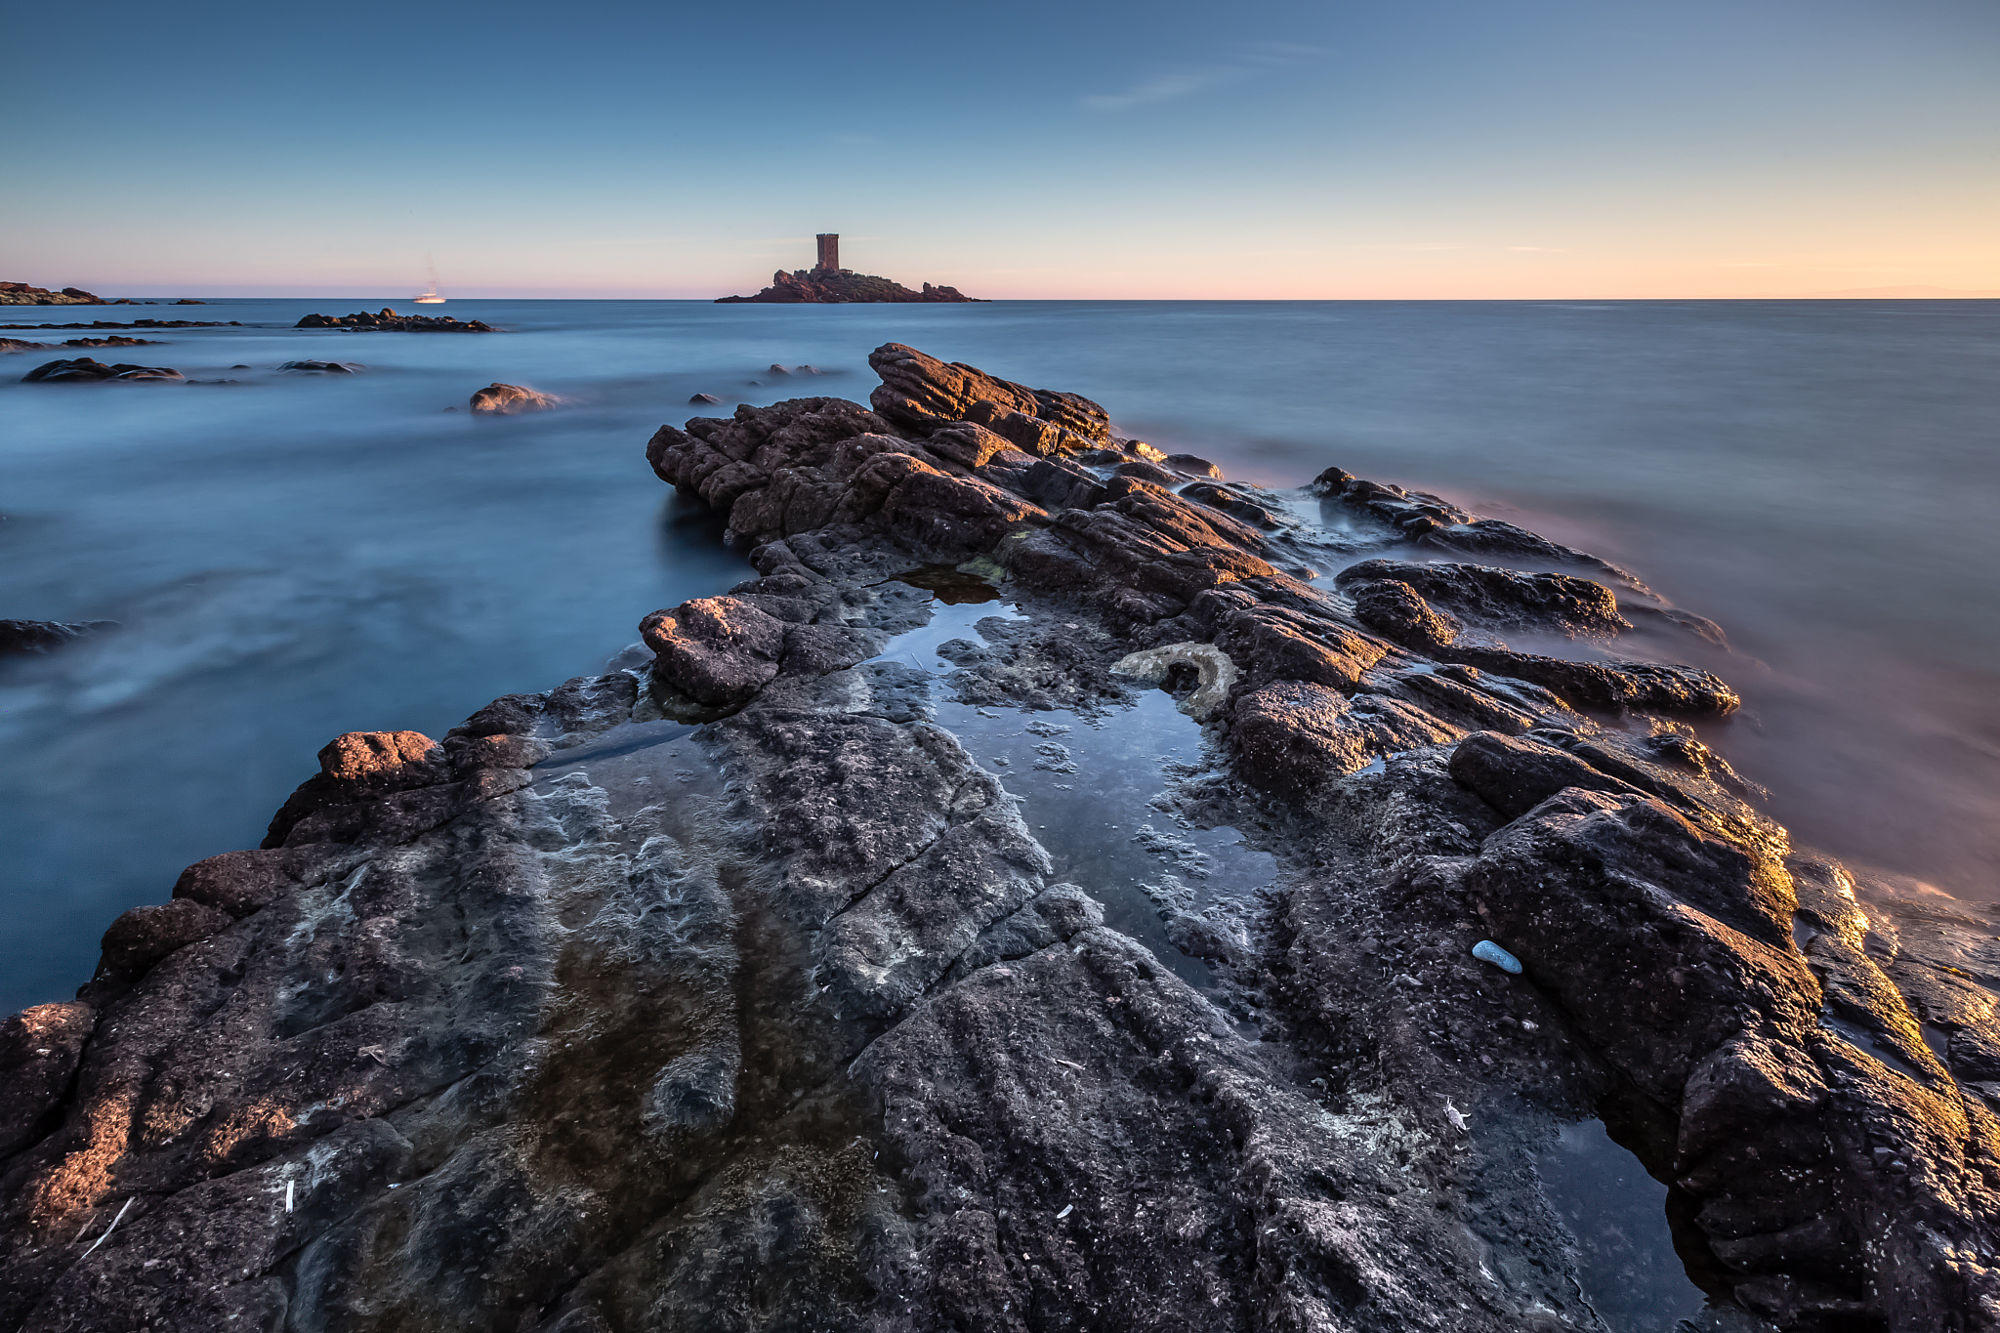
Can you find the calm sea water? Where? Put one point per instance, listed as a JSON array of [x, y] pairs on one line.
[[295, 556]]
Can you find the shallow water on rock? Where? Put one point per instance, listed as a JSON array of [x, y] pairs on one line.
[[1617, 1215], [1096, 792]]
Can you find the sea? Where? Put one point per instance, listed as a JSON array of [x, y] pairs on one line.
[[289, 556]]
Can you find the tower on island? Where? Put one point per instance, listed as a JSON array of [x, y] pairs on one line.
[[829, 252]]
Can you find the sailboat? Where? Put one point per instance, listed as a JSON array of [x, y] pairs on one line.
[[430, 294]]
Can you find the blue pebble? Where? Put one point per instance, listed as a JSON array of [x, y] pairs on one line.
[[1486, 951]]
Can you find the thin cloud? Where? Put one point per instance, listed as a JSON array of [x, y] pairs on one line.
[[1185, 83]]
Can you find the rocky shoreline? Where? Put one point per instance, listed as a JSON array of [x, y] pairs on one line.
[[734, 988]]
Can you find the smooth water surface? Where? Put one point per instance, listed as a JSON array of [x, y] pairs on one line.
[[294, 556]]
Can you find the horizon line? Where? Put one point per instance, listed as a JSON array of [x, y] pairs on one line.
[[267, 295]]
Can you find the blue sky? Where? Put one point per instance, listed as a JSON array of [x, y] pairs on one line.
[[1466, 148]]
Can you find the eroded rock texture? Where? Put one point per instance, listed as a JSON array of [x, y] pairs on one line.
[[728, 990]]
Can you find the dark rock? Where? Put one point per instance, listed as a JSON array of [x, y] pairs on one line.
[[704, 400], [239, 883], [84, 370], [145, 935], [21, 345], [39, 1052], [388, 321], [323, 367], [115, 340], [716, 650], [1514, 774], [1394, 608], [41, 636], [1292, 737], [1144, 471], [921, 391], [1192, 465], [137, 323], [1498, 596], [358, 766]]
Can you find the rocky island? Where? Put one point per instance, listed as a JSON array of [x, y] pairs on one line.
[[827, 283], [785, 975]]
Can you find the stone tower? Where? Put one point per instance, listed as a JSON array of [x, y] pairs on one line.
[[829, 252]]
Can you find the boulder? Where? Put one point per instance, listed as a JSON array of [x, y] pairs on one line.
[[508, 399]]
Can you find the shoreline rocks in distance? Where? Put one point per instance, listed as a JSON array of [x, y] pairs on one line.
[[20, 293], [85, 370], [321, 367], [387, 320], [24, 345], [498, 399], [841, 287], [737, 978], [138, 324]]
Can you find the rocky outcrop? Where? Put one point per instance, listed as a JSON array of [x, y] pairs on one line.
[[138, 324], [321, 367], [115, 340], [386, 320], [839, 286], [21, 345], [20, 293], [83, 370], [508, 399], [733, 989], [41, 636]]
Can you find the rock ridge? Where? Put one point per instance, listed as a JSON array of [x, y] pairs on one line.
[[731, 989]]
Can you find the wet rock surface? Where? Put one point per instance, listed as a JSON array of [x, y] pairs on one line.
[[795, 973]]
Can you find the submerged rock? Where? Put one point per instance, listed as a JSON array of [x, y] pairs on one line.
[[41, 636], [387, 320], [730, 989], [82, 370], [507, 399]]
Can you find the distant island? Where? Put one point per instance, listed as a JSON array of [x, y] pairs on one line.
[[828, 283]]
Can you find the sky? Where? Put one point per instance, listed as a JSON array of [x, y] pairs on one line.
[[1407, 149]]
